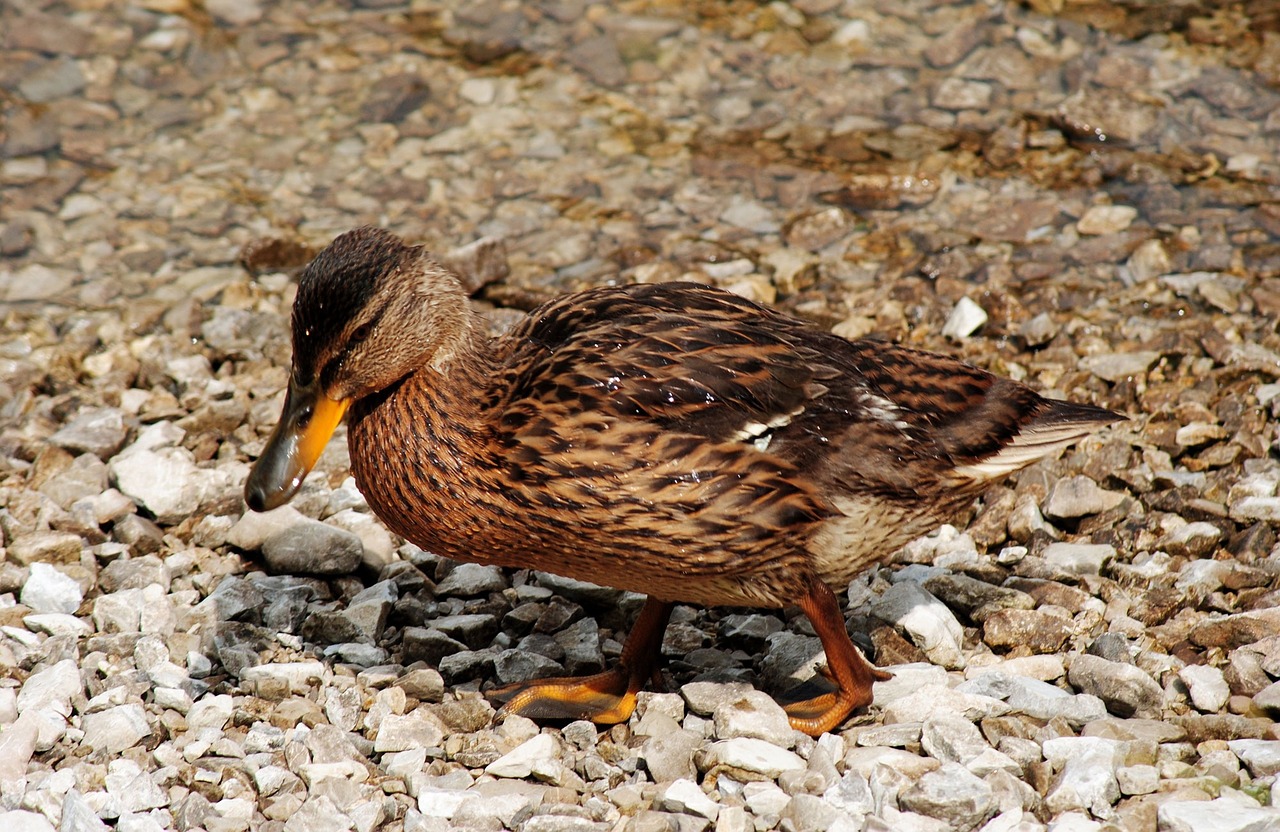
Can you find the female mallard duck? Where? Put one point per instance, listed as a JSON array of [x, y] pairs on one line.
[[674, 440]]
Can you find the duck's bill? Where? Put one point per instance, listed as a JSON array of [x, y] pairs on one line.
[[306, 425]]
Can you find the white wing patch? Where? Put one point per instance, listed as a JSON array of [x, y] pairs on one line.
[[758, 432], [1034, 443], [882, 410]]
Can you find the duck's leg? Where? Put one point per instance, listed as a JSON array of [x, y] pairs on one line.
[[846, 667], [607, 697]]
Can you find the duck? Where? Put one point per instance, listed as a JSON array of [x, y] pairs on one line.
[[672, 439]]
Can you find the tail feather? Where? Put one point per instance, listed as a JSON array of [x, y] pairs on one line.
[[1057, 426]]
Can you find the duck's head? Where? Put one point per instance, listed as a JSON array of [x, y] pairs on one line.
[[370, 310]]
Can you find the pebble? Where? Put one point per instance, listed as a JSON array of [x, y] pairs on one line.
[[1116, 367], [966, 318], [1207, 686], [470, 579], [687, 797], [1079, 558], [1106, 219], [1261, 756], [116, 729], [751, 757], [46, 695], [1220, 815], [951, 739], [753, 714], [1079, 497], [99, 431], [49, 591], [952, 794], [522, 760], [928, 622], [166, 481], [1086, 769], [1126, 690], [312, 548]]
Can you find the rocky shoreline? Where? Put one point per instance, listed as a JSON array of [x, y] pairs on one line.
[[1084, 197]]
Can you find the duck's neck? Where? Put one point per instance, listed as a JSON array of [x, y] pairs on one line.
[[410, 443]]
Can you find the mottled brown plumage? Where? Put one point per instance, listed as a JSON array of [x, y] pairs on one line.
[[674, 440]]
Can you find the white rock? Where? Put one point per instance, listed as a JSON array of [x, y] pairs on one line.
[[934, 699], [23, 821], [47, 696], [952, 739], [17, 745], [116, 729], [167, 482], [753, 714], [1119, 366], [1261, 756], [1221, 815], [47, 590], [751, 215], [907, 679], [1209, 690], [56, 624], [297, 675], [686, 797], [379, 549], [133, 788], [851, 794], [254, 527], [966, 318], [235, 12], [753, 756], [1079, 558], [1079, 497], [419, 729], [443, 803], [521, 760], [119, 612], [211, 712], [1087, 774], [927, 621], [1139, 779], [765, 798], [1074, 822]]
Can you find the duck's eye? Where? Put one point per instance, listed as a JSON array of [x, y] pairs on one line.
[[361, 333]]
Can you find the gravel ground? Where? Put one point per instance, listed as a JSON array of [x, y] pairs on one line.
[[1080, 195]]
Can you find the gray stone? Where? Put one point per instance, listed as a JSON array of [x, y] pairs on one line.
[[427, 645], [1086, 778], [1268, 699], [580, 591], [517, 665], [1079, 558], [369, 608], [95, 430], [749, 631], [312, 547], [580, 642], [134, 573], [704, 697], [669, 755], [753, 714], [54, 79], [1139, 779], [474, 629], [810, 813], [469, 579], [952, 794], [1126, 690], [45, 547], [48, 590], [1207, 686], [789, 659], [1119, 366], [1078, 497], [925, 620], [20, 820], [850, 794], [952, 739], [418, 729], [254, 527], [116, 729]]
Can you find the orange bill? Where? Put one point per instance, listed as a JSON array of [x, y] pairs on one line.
[[306, 425]]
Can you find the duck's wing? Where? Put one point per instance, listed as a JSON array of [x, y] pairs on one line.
[[677, 358]]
